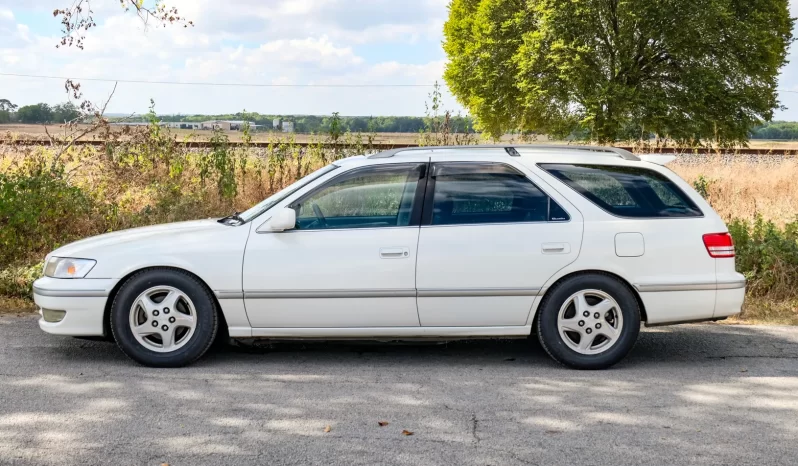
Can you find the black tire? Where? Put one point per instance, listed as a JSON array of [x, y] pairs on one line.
[[206, 326], [553, 342]]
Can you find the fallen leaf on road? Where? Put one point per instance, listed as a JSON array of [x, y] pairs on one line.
[[327, 429], [744, 370], [383, 423], [164, 464], [407, 432], [553, 431]]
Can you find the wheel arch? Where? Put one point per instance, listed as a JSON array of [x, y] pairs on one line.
[[625, 282], [112, 296]]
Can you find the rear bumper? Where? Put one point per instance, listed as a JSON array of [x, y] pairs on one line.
[[692, 302], [83, 300], [729, 302]]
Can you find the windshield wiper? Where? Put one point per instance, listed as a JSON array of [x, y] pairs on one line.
[[232, 219]]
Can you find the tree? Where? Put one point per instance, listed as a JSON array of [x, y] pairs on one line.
[[7, 106], [66, 112], [37, 113], [681, 69]]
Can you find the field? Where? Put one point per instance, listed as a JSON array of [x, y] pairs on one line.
[[53, 195], [39, 132]]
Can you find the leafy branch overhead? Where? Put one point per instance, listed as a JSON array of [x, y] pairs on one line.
[[77, 19], [685, 70]]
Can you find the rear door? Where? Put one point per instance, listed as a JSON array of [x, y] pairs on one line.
[[490, 239]]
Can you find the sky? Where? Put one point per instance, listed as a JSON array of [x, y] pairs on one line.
[[249, 41]]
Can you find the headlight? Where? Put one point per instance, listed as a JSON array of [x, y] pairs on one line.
[[67, 267]]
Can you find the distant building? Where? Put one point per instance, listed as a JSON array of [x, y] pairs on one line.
[[183, 125], [288, 126], [227, 125], [276, 123]]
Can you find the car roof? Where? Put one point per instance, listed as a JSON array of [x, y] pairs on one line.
[[515, 150], [534, 153], [538, 153]]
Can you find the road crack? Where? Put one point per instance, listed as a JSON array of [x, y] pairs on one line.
[[474, 422]]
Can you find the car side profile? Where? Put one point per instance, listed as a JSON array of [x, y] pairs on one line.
[[576, 244]]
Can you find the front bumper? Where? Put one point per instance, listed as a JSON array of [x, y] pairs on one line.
[[82, 299]]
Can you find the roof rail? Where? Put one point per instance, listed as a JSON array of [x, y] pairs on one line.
[[512, 149]]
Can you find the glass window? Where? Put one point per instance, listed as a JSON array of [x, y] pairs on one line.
[[270, 201], [626, 191], [472, 193], [378, 196]]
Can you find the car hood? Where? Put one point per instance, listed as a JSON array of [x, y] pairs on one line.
[[89, 247]]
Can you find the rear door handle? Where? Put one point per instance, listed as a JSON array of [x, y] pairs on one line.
[[394, 253], [555, 248]]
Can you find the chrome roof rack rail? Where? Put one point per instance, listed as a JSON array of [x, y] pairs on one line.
[[512, 149]]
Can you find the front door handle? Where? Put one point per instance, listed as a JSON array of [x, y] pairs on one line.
[[394, 253]]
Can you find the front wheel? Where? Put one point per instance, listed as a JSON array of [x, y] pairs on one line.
[[164, 318], [589, 321]]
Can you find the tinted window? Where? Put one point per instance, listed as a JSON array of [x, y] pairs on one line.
[[379, 196], [626, 191], [469, 193]]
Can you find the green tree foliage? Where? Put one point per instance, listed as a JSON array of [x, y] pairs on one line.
[[37, 113], [6, 108], [776, 130], [680, 69], [44, 113], [66, 112]]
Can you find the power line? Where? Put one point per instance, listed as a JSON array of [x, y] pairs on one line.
[[205, 83], [200, 83]]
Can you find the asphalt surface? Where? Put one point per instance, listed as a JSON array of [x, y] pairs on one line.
[[693, 394]]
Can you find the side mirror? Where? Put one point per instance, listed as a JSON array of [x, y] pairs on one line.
[[284, 219]]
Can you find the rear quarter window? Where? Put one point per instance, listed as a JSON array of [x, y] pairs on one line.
[[626, 191]]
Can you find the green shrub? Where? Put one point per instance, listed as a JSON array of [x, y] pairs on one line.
[[17, 281], [39, 210], [768, 256], [702, 185]]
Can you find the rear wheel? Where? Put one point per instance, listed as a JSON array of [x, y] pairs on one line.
[[589, 321], [164, 318]]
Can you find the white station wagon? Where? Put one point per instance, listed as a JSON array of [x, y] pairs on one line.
[[576, 244]]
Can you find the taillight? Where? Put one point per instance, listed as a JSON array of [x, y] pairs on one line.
[[719, 245]]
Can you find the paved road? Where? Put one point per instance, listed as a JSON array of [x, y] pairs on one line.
[[695, 394]]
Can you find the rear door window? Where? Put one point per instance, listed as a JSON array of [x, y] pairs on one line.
[[626, 191], [473, 193]]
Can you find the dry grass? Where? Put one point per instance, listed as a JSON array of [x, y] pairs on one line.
[[759, 311], [743, 187], [16, 306]]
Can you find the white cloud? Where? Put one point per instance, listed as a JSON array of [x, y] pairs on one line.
[[247, 41]]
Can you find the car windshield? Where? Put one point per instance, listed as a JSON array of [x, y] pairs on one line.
[[270, 201]]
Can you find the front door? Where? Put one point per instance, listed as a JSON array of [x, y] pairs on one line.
[[490, 239], [351, 260]]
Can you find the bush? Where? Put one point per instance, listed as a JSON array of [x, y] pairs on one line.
[[40, 210], [768, 256], [17, 281]]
